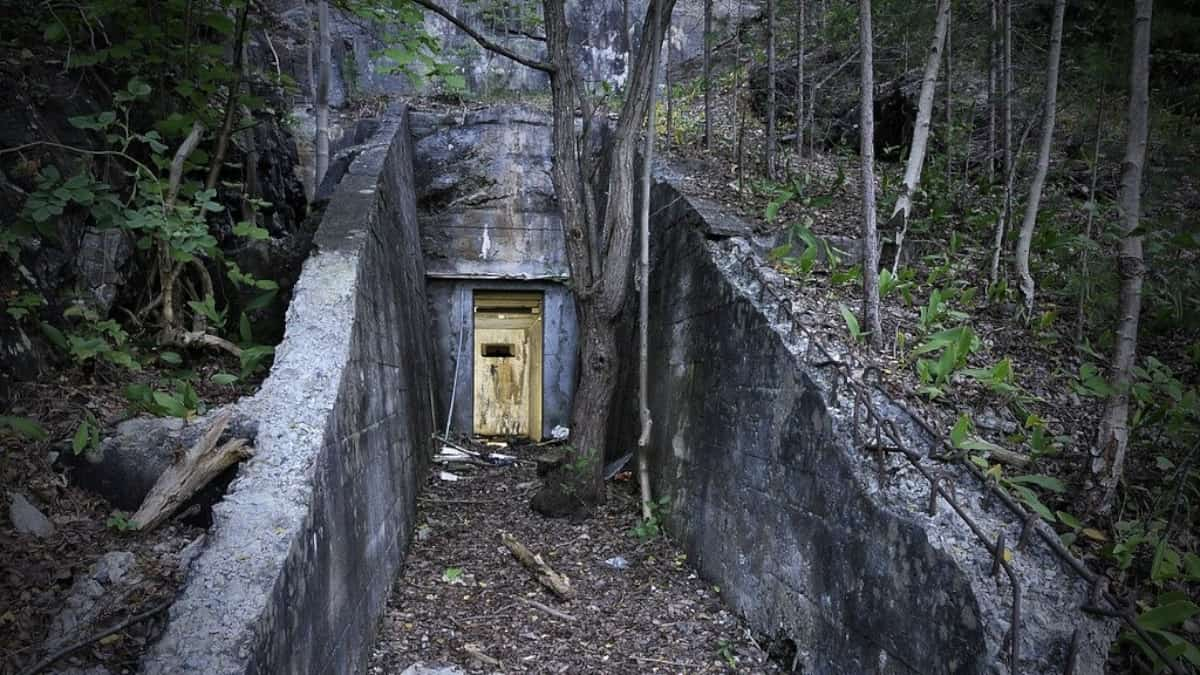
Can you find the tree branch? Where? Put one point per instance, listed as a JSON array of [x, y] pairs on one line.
[[485, 42]]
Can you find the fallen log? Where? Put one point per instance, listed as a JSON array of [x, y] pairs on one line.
[[545, 575], [194, 469]]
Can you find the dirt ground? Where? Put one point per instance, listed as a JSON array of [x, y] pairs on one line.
[[463, 599]]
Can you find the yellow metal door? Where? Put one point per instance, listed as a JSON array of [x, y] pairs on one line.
[[502, 375]]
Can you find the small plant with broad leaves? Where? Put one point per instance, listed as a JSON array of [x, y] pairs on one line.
[[953, 346], [650, 528]]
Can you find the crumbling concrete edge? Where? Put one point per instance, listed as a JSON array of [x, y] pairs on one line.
[[1052, 594], [308, 539]]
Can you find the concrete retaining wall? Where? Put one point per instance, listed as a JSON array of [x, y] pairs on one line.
[[753, 445], [306, 544]]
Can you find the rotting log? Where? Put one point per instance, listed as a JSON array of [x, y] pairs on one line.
[[194, 469], [545, 575]]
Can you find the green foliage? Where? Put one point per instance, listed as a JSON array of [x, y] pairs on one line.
[[650, 528], [119, 521], [24, 305], [179, 400], [23, 427], [998, 378], [814, 249], [87, 435], [856, 333], [953, 345]]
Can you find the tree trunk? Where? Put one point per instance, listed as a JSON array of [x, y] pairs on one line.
[[993, 66], [920, 140], [800, 31], [1108, 455], [600, 293], [870, 236], [1084, 290], [1006, 77], [1025, 239], [949, 97], [325, 67], [708, 37], [598, 253], [771, 108], [644, 300], [670, 99]]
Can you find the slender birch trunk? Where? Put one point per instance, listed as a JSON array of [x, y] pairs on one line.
[[771, 108], [1084, 272], [993, 66], [920, 141], [708, 38], [1108, 455], [870, 236], [325, 67], [1025, 239], [800, 31], [949, 96], [670, 98], [1006, 77], [644, 291]]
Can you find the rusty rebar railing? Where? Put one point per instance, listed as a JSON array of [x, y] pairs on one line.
[[886, 428]]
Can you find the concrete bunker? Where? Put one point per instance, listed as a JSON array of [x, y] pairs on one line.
[[503, 318]]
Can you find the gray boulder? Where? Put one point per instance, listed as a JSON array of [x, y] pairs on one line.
[[26, 517]]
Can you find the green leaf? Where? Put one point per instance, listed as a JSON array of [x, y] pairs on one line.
[[55, 336], [958, 435], [79, 442], [1069, 520], [1171, 614], [224, 378], [170, 404], [1046, 482], [851, 322], [24, 426], [171, 358]]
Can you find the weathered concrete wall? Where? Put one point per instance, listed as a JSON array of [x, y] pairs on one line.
[[753, 445], [310, 535], [490, 221], [452, 312], [485, 196]]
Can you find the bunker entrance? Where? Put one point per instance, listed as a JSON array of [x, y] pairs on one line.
[[508, 364]]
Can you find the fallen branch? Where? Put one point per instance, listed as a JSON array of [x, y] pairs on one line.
[[476, 652], [196, 468], [545, 575], [547, 609], [59, 653]]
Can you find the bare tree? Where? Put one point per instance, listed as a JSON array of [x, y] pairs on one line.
[[920, 140], [1033, 201], [1006, 91], [708, 39], [993, 102], [644, 298], [1092, 206], [949, 96], [325, 68], [771, 108], [870, 237], [670, 98], [800, 35], [1108, 455]]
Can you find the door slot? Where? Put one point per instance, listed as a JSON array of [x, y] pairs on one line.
[[495, 351]]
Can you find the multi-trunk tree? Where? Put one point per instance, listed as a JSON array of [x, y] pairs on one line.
[[598, 227]]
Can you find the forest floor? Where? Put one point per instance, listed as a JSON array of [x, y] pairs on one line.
[[90, 574], [463, 599]]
